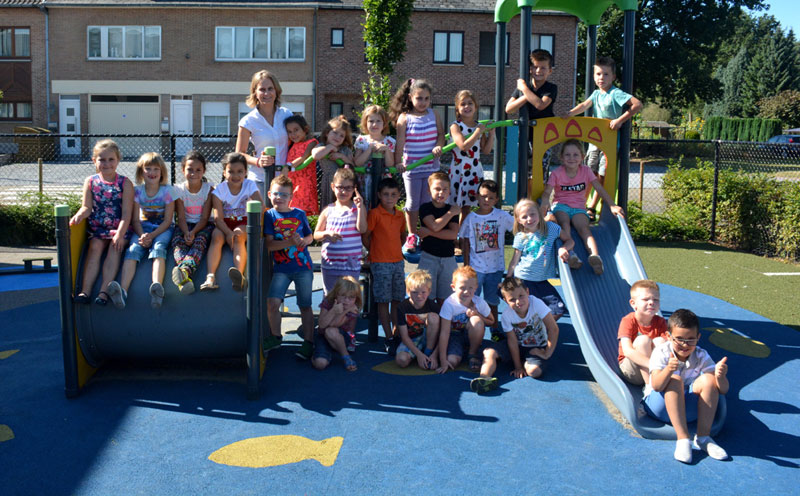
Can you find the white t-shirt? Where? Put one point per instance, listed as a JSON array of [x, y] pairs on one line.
[[262, 135], [486, 234], [530, 330], [456, 313], [235, 206], [192, 202], [698, 363]]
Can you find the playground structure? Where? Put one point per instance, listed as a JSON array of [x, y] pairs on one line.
[[595, 303]]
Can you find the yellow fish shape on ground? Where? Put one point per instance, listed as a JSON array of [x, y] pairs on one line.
[[391, 367], [272, 451], [6, 434], [7, 353], [735, 343]]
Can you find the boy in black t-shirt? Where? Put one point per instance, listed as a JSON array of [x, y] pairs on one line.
[[438, 233], [418, 323]]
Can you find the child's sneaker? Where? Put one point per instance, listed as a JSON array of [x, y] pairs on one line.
[[156, 295], [238, 282], [411, 243], [574, 262], [390, 344], [597, 264], [271, 342], [306, 350], [683, 450], [497, 335], [117, 294], [180, 277], [708, 445], [482, 385]]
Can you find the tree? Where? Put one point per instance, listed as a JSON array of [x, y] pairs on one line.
[[784, 106], [386, 23]]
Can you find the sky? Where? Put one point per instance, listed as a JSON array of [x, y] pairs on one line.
[[785, 11]]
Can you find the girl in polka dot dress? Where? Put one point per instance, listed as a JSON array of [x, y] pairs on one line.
[[466, 172]]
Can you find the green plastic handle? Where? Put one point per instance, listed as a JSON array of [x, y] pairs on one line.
[[450, 146], [310, 159]]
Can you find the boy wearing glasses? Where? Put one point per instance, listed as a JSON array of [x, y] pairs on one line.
[[639, 332], [685, 385], [288, 235]]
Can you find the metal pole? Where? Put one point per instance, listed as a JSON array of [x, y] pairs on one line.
[[172, 157], [253, 304], [524, 128], [499, 110], [641, 182], [69, 345], [591, 56], [714, 192], [41, 186], [370, 309], [627, 86]]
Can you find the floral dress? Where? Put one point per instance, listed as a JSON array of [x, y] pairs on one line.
[[466, 171], [107, 207], [304, 181]]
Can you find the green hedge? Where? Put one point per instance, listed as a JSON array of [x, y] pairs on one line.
[[31, 222], [736, 129]]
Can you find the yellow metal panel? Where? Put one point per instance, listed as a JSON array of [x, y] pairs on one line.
[[77, 243]]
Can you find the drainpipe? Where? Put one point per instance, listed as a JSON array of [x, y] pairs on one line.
[[43, 8], [314, 73]]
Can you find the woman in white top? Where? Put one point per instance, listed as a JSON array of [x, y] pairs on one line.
[[263, 126]]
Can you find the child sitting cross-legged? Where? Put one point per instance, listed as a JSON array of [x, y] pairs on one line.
[[338, 314], [685, 385], [531, 335], [418, 323], [462, 320]]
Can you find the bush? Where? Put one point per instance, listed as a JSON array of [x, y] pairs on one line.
[[691, 134], [676, 225], [735, 129], [31, 222], [785, 106]]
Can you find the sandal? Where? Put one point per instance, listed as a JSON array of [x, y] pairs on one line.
[[475, 363], [210, 284], [592, 213], [81, 298], [101, 301], [349, 363], [238, 280]]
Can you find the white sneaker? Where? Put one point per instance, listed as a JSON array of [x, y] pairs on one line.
[[683, 450], [708, 445]]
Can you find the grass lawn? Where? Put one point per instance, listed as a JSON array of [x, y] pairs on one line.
[[726, 274]]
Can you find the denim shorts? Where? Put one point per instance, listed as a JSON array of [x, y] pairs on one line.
[[303, 282], [572, 212], [158, 249], [323, 349], [441, 270], [548, 294], [488, 285], [655, 406], [388, 281], [458, 344]]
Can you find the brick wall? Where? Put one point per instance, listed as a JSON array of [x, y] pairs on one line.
[[340, 71]]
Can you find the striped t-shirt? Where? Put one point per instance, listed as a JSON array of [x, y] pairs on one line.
[[421, 136], [344, 255]]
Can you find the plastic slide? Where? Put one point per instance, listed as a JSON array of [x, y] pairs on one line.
[[596, 304]]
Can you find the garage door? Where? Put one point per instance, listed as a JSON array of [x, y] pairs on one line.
[[113, 115]]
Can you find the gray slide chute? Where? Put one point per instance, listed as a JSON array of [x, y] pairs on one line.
[[596, 304]]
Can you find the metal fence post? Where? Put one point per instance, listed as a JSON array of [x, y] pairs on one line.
[[254, 305], [41, 179], [714, 192], [69, 346]]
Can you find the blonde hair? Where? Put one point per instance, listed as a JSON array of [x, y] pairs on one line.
[[151, 158], [464, 272], [438, 176], [345, 285], [462, 95], [104, 145], [418, 279], [336, 123], [645, 284], [252, 100], [519, 207], [375, 109]]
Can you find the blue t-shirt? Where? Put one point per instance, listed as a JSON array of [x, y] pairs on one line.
[[282, 225], [608, 105], [538, 259], [152, 208]]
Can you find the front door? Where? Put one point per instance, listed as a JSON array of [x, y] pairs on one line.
[[69, 122], [181, 118]]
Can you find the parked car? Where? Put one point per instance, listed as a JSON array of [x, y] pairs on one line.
[[787, 145]]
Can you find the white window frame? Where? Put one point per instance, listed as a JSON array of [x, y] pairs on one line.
[[104, 43], [252, 57], [243, 110], [215, 109], [449, 35], [536, 43]]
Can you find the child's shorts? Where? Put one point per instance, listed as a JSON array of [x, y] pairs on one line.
[[572, 212], [388, 281], [234, 222], [548, 294], [324, 350], [655, 407], [504, 354], [303, 282], [420, 342], [441, 270], [417, 191], [596, 160], [458, 344], [488, 285], [158, 249], [630, 372]]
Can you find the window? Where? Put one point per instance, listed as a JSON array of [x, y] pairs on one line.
[[123, 42], [447, 114], [485, 112], [15, 42], [448, 47], [260, 43], [243, 110], [337, 37], [544, 42], [486, 48], [337, 109], [18, 111], [216, 117]]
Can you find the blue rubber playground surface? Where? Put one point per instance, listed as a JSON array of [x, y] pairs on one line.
[[176, 428]]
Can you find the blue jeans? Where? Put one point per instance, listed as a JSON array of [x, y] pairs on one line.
[[303, 283], [157, 250], [488, 284]]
